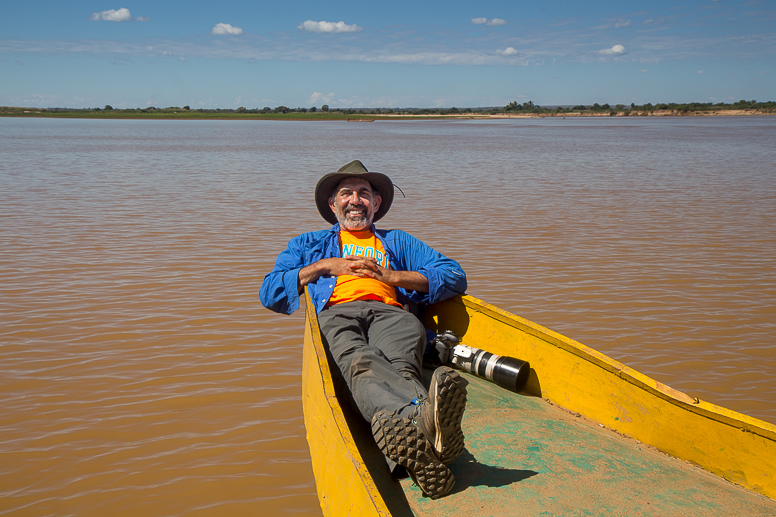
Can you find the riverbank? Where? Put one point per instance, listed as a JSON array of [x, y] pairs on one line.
[[167, 114], [656, 113]]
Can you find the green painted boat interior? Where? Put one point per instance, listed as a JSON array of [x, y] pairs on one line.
[[525, 456]]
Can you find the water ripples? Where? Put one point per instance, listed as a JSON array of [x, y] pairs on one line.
[[139, 374]]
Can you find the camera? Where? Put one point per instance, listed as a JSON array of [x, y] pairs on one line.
[[507, 372]]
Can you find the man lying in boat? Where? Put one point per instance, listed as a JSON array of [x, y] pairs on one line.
[[360, 278]]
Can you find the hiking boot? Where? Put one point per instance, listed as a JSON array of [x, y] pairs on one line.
[[439, 416], [404, 443]]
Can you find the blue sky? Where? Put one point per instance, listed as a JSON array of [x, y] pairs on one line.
[[303, 53]]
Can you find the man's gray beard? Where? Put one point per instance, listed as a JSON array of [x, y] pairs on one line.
[[353, 223]]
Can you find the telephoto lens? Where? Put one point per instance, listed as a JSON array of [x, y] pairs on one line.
[[507, 372]]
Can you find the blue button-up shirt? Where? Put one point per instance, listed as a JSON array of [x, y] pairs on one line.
[[405, 253]]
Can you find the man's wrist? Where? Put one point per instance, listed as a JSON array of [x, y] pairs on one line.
[[412, 280], [312, 272], [389, 277]]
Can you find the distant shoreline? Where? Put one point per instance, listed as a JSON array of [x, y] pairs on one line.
[[657, 113], [337, 115]]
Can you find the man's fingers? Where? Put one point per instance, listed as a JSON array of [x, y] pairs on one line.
[[364, 270], [368, 262]]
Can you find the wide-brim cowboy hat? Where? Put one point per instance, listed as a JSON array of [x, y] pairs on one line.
[[380, 183]]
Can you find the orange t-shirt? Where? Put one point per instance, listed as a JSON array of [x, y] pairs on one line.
[[349, 288]]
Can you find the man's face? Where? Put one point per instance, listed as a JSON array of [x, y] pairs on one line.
[[354, 203]]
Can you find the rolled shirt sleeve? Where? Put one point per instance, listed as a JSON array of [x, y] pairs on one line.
[[279, 290]]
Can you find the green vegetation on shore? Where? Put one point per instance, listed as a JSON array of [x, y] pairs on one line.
[[325, 113], [173, 113], [646, 109]]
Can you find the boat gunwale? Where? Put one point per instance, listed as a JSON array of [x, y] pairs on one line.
[[663, 391], [354, 455]]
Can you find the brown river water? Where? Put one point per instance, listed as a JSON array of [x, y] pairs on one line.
[[139, 374]]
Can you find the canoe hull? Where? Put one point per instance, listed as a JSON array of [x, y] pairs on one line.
[[350, 476], [343, 482], [580, 379]]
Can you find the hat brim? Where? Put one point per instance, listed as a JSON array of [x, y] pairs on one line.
[[381, 184]]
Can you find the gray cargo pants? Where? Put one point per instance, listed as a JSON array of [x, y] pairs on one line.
[[379, 349]]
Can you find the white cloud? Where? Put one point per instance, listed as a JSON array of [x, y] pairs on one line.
[[305, 51], [225, 28], [700, 72], [328, 27], [438, 58], [616, 50], [112, 15], [317, 97], [485, 21], [509, 51], [645, 71], [619, 23]]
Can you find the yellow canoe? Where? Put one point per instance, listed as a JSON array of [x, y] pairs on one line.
[[587, 436]]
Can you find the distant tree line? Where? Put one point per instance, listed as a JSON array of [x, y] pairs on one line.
[[530, 107], [513, 107]]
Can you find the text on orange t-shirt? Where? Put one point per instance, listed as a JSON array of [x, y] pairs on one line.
[[362, 243]]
